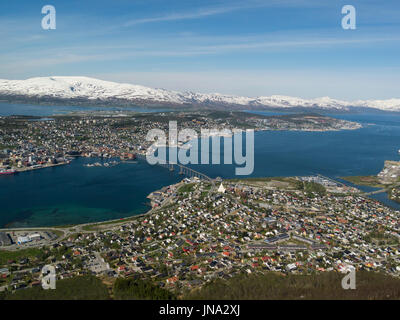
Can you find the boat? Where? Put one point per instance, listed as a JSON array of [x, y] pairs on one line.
[[9, 171]]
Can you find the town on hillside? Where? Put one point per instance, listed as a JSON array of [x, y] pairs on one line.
[[198, 231]]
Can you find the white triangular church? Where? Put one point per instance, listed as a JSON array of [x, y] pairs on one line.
[[221, 188]]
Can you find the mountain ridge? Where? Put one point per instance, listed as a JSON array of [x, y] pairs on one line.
[[83, 89]]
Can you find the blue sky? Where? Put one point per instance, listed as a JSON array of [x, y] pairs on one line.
[[253, 48]]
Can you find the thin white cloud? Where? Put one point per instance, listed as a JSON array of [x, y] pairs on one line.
[[183, 16], [265, 45], [211, 11], [179, 47]]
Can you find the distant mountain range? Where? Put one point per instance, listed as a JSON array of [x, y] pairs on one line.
[[85, 90]]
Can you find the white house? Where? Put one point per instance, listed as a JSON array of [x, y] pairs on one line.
[[221, 188]]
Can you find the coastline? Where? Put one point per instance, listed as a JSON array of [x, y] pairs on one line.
[[182, 144], [151, 210], [26, 169], [64, 232], [130, 217]]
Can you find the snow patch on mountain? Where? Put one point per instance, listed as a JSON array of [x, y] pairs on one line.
[[387, 105]]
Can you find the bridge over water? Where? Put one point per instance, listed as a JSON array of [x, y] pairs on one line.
[[381, 190], [184, 170], [374, 192]]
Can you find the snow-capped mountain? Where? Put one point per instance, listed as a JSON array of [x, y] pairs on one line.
[[85, 88], [90, 90]]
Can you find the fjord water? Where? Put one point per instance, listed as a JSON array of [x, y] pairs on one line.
[[77, 194], [74, 193], [18, 109], [331, 153]]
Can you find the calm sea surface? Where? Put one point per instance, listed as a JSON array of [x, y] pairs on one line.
[[13, 109], [78, 194]]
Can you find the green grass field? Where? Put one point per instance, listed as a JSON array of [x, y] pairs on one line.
[[18, 254]]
